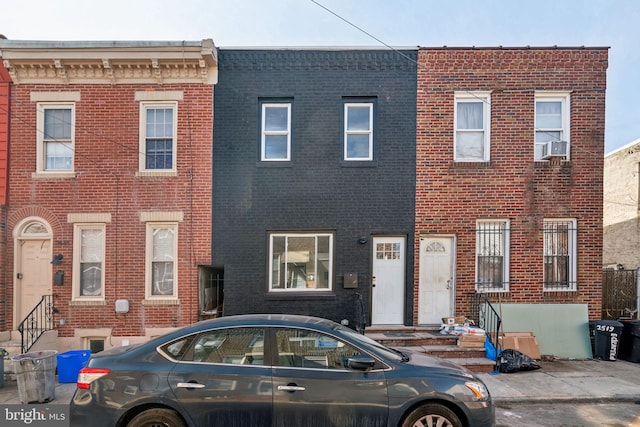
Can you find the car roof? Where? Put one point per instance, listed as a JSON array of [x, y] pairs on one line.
[[246, 320], [275, 319]]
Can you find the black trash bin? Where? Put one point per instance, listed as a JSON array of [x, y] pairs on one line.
[[630, 341], [607, 337]]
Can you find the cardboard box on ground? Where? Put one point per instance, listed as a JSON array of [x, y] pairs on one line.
[[524, 342]]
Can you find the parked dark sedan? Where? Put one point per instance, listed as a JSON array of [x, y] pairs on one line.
[[274, 370]]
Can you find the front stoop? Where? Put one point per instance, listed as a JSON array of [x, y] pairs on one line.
[[434, 343]]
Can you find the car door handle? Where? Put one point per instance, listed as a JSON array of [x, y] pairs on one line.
[[290, 387], [190, 385]]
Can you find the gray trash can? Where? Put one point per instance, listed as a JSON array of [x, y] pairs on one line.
[[3, 354], [36, 376]]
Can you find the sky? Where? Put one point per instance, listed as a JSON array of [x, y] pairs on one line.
[[377, 23]]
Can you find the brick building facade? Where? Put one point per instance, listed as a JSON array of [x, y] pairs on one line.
[[313, 182], [109, 185], [510, 146]]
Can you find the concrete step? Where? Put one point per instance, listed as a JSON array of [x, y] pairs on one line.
[[416, 338], [432, 342]]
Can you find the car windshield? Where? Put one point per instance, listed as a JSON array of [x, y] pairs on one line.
[[385, 351]]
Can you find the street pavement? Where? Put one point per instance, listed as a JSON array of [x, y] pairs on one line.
[[562, 381]]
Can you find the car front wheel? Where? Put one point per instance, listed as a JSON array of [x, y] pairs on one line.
[[157, 417], [432, 415]]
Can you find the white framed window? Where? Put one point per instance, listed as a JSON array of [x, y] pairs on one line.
[[275, 142], [472, 126], [492, 255], [56, 137], [161, 261], [552, 122], [300, 262], [158, 130], [358, 131], [560, 259], [88, 261]]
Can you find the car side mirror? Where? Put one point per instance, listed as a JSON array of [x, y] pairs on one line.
[[361, 363]]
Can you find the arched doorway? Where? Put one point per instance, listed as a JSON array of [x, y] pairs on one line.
[[32, 265]]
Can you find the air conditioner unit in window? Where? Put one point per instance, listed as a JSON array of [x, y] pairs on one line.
[[555, 149]]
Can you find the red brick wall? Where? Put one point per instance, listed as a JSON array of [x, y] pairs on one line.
[[106, 161], [451, 196], [5, 93]]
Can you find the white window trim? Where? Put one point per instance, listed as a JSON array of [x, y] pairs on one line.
[[329, 288], [41, 161], [77, 247], [573, 255], [474, 96], [565, 99], [359, 132], [150, 227], [264, 132], [144, 105], [506, 257]]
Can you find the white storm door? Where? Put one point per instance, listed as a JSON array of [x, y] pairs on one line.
[[437, 285], [388, 281], [35, 272]]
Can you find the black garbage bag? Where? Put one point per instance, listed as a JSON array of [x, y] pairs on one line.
[[515, 361]]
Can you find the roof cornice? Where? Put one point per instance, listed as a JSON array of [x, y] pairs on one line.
[[115, 62]]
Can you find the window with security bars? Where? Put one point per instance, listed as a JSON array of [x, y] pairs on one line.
[[492, 256], [560, 255]]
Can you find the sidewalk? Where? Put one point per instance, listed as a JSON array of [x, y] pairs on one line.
[[557, 381], [568, 381]]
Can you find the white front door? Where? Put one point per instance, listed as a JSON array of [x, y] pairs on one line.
[[33, 278], [437, 284], [388, 281]]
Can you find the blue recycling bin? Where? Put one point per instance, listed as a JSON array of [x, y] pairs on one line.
[[70, 363]]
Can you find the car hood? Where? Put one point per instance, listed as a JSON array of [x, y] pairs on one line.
[[445, 366]]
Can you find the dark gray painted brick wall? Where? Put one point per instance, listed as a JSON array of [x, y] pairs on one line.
[[316, 191]]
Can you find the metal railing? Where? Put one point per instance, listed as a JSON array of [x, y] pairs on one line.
[[37, 322], [487, 318]]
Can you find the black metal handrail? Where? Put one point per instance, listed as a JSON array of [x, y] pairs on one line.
[[487, 318], [37, 322]]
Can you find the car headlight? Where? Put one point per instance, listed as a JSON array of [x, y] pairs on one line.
[[478, 389]]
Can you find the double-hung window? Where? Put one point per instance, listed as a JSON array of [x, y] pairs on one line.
[[56, 133], [358, 131], [300, 261], [472, 125], [492, 255], [158, 130], [551, 124], [275, 144], [560, 265], [161, 264], [89, 247]]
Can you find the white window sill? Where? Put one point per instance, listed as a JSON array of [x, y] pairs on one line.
[[156, 173], [163, 301]]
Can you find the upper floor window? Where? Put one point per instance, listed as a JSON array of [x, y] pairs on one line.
[[358, 131], [276, 132], [161, 264], [55, 137], [89, 243], [551, 125], [492, 256], [158, 130], [472, 124], [300, 262]]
